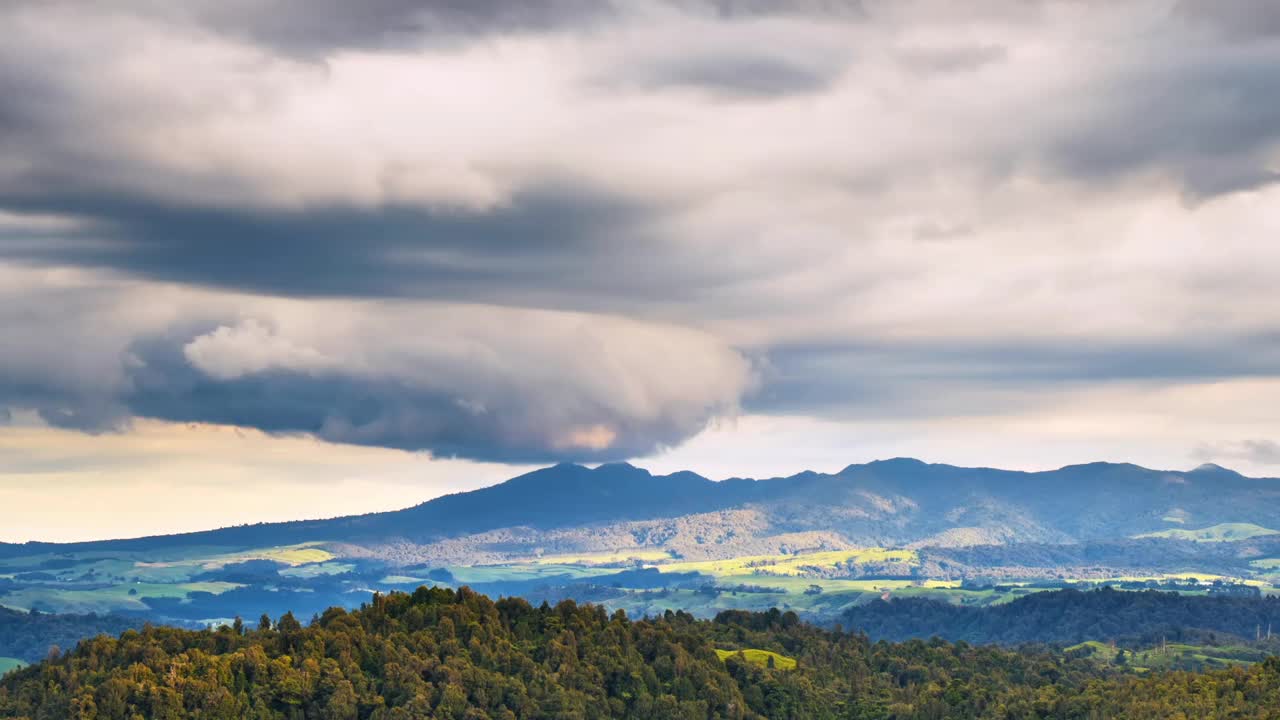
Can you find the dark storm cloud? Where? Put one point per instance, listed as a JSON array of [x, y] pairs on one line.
[[1246, 19], [452, 379], [959, 58], [740, 74], [1207, 118], [254, 168], [563, 242], [925, 379], [339, 407], [313, 28], [317, 27]]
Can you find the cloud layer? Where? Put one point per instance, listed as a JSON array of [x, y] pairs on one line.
[[569, 230]]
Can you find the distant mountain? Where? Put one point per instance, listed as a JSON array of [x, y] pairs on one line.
[[898, 502]]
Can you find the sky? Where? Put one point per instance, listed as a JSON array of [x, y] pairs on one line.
[[263, 261]]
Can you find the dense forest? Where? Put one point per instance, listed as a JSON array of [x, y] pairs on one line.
[[30, 636], [456, 654], [1068, 617]]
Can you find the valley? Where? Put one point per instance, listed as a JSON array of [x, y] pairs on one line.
[[619, 536]]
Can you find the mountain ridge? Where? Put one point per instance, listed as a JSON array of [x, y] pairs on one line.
[[899, 500]]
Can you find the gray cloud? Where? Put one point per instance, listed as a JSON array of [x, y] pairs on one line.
[[1238, 18], [440, 178], [1208, 118], [958, 58], [550, 239], [472, 381], [1257, 451], [924, 379], [744, 75]]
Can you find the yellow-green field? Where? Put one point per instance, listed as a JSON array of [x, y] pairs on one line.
[[760, 657], [1222, 532], [791, 565], [292, 555]]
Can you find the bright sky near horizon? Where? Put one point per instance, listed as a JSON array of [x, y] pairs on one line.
[[266, 261]]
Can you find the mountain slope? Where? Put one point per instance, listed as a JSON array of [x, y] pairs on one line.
[[891, 503]]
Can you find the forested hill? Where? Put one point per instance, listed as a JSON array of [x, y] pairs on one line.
[[1068, 617], [444, 654], [29, 636]]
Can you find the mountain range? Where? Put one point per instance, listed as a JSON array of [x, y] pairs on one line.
[[901, 502]]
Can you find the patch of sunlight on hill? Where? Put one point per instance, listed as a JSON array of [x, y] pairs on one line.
[[1222, 532], [798, 565], [761, 658], [296, 554]]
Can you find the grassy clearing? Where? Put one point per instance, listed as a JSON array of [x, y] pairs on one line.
[[1173, 655], [294, 555], [318, 569], [518, 572], [761, 658], [1200, 577], [8, 663], [1222, 532], [792, 565], [404, 580]]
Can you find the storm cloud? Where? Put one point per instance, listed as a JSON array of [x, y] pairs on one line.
[[568, 230]]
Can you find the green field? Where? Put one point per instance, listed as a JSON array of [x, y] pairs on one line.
[[760, 657], [802, 564], [1172, 655], [516, 572], [1223, 532], [106, 599], [8, 663], [816, 584], [620, 557]]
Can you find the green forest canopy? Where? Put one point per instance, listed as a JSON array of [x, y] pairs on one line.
[[440, 653]]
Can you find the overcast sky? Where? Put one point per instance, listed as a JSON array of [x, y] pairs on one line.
[[305, 258]]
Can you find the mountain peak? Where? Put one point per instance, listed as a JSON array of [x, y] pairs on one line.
[[897, 463], [1215, 469]]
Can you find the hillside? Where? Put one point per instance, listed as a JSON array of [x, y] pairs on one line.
[[1222, 532], [621, 536], [445, 654], [1068, 617], [30, 636]]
